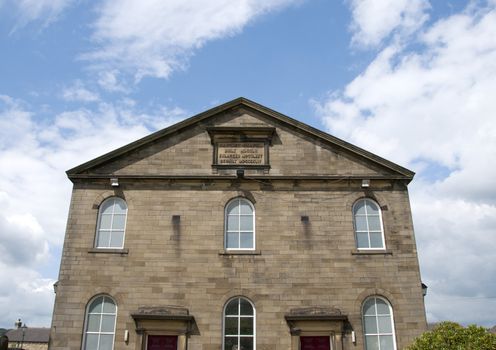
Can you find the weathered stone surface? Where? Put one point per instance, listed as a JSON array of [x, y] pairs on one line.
[[297, 265]]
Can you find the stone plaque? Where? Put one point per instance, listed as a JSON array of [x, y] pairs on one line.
[[241, 153]]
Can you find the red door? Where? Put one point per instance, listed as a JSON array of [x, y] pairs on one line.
[[315, 343], [162, 342]]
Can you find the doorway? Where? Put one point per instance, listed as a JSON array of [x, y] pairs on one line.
[[162, 342], [315, 343]]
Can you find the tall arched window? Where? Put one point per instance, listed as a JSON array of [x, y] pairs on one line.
[[367, 220], [239, 325], [240, 225], [111, 223], [378, 324], [100, 324]]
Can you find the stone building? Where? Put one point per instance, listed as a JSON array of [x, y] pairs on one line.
[[238, 228], [28, 338]]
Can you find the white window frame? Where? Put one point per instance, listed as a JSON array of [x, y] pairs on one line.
[[367, 220], [393, 333], [239, 318], [86, 320], [98, 229], [240, 199]]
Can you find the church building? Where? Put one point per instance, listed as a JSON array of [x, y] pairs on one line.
[[239, 228]]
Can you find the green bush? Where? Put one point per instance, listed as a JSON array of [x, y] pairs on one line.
[[452, 336]]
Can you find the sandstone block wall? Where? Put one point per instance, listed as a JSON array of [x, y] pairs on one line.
[[296, 264]]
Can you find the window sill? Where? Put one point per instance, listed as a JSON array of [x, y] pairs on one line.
[[240, 252], [372, 252], [123, 251]]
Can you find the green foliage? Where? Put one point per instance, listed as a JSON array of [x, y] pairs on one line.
[[452, 336]]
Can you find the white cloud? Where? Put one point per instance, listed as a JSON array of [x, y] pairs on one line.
[[46, 11], [481, 310], [78, 92], [35, 193], [23, 241], [109, 80], [457, 246], [432, 108], [154, 38], [373, 21], [25, 294]]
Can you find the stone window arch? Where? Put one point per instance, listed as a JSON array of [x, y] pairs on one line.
[[99, 325], [368, 225], [111, 227], [378, 324], [239, 232], [239, 325]]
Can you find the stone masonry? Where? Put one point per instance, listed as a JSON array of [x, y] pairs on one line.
[[181, 261]]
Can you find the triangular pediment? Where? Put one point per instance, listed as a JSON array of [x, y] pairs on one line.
[[240, 134]]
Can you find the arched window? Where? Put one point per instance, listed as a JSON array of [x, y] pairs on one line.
[[367, 220], [378, 324], [100, 324], [111, 223], [239, 325], [240, 225]]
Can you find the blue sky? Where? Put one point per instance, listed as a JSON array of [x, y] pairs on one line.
[[410, 80]]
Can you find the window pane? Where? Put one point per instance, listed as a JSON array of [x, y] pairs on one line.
[[246, 326], [362, 240], [96, 305], [120, 206], [232, 223], [372, 208], [370, 324], [376, 240], [233, 208], [246, 223], [107, 207], [105, 221], [359, 207], [103, 239], [384, 324], [369, 307], [93, 323], [119, 222], [91, 342], [382, 307], [117, 239], [361, 223], [374, 223], [372, 342], [109, 306], [386, 342], [108, 323], [245, 208], [232, 240], [231, 343], [106, 341], [246, 240], [232, 307], [246, 308], [231, 326], [246, 343]]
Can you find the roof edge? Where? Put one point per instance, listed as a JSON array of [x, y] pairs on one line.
[[235, 177], [333, 139], [250, 104], [154, 136]]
